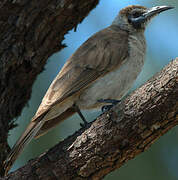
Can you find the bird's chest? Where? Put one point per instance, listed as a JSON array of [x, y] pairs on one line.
[[115, 84]]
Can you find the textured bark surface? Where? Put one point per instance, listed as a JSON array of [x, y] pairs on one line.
[[30, 32], [113, 138]]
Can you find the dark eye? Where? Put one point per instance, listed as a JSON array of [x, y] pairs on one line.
[[136, 14]]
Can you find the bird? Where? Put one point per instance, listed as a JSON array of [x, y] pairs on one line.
[[101, 71]]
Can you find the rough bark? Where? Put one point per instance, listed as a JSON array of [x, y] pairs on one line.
[[30, 32], [115, 137]]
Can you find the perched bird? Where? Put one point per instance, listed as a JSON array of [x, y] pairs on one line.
[[101, 70]]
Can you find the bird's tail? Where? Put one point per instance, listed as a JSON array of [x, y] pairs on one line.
[[26, 137], [55, 121]]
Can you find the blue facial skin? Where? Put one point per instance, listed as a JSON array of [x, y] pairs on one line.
[[136, 22]]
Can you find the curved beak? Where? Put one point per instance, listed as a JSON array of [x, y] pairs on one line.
[[149, 13], [155, 11]]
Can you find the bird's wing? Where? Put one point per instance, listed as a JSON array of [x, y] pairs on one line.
[[103, 52]]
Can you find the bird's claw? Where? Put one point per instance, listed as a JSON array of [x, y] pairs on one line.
[[112, 102]]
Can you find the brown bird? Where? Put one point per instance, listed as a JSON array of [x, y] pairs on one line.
[[101, 70]]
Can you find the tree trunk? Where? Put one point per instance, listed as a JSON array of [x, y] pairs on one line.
[[115, 137], [30, 32]]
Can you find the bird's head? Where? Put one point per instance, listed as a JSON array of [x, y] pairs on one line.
[[135, 17]]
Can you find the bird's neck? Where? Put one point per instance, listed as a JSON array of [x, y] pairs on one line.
[[137, 47], [118, 21]]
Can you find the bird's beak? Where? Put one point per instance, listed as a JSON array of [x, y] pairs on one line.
[[149, 14], [154, 11]]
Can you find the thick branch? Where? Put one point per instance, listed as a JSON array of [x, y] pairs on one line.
[[115, 137], [30, 32]]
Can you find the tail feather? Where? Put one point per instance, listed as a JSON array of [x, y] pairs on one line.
[[26, 137], [48, 125], [35, 129]]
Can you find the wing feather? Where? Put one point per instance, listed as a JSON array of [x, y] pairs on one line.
[[96, 57]]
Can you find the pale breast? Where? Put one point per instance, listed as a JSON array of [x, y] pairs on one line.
[[115, 84]]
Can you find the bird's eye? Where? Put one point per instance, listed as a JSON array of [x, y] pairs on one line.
[[134, 17], [136, 14]]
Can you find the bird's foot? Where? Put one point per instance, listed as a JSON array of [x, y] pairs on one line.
[[112, 102]]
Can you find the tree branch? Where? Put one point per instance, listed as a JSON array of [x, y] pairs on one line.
[[30, 32], [115, 137]]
